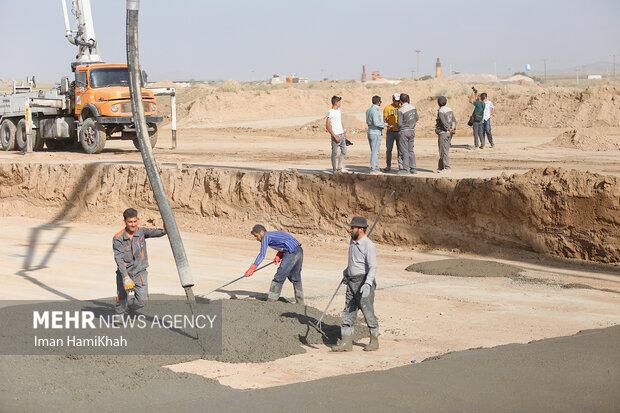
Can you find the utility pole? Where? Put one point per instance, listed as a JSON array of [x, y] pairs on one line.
[[545, 63], [577, 70], [613, 57], [417, 64]]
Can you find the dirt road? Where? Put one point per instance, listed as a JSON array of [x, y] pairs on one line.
[[226, 148]]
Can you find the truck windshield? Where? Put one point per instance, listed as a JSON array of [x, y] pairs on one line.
[[116, 76]]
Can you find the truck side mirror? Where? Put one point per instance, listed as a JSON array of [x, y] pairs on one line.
[[145, 77], [64, 85]]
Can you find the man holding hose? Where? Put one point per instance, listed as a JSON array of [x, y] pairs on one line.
[[359, 277]]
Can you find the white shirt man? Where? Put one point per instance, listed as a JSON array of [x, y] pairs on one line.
[[489, 109], [333, 126]]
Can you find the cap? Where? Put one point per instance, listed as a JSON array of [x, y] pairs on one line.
[[359, 222], [396, 96]]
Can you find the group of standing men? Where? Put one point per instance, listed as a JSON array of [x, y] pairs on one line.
[[481, 118], [400, 118]]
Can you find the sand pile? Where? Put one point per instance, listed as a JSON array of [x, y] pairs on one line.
[[587, 139], [553, 211]]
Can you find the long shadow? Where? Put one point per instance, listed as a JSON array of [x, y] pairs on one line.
[[71, 210], [329, 332], [252, 294]]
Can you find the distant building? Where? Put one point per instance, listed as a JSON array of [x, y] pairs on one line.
[[275, 80], [595, 77]]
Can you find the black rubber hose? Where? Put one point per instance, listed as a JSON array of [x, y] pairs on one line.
[[135, 85]]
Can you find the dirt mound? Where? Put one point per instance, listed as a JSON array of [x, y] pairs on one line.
[[553, 211], [593, 139], [523, 104]]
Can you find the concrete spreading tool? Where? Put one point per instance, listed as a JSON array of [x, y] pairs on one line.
[[236, 279], [320, 320]]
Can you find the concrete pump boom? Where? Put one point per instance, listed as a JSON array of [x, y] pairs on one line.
[[84, 37]]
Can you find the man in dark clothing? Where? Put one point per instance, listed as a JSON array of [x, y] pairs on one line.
[[407, 119], [132, 261], [290, 256], [445, 127]]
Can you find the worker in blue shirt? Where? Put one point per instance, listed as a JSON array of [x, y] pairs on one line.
[[290, 257]]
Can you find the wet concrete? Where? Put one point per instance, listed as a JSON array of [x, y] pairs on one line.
[[565, 374], [257, 331], [462, 267]]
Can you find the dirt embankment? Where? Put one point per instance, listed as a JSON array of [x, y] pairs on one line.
[[552, 211]]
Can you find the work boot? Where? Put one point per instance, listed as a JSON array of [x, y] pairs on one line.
[[344, 344], [373, 345], [299, 293], [274, 291]]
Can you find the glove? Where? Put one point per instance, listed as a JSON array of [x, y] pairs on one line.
[[365, 290], [278, 257], [128, 284], [250, 270]]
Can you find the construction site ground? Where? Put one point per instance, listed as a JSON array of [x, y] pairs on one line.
[[247, 149], [453, 336]]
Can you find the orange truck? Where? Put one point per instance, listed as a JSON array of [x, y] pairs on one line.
[[88, 110]]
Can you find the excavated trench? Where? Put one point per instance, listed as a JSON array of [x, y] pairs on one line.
[[558, 212], [564, 213]]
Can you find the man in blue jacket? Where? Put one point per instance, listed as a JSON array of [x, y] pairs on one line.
[[375, 123], [290, 256]]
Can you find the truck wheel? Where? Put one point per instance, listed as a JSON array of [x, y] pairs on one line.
[[92, 136], [152, 138], [7, 135], [20, 137]]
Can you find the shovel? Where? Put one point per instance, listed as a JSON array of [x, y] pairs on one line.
[[236, 279], [318, 324]]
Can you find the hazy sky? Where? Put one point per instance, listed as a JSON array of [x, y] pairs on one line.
[[250, 39]]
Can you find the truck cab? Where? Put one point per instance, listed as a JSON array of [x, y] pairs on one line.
[[102, 106]]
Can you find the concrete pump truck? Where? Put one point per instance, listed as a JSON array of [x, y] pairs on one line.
[[93, 106]]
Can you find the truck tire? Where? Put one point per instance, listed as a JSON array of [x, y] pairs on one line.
[[152, 138], [7, 135], [92, 136], [20, 137]]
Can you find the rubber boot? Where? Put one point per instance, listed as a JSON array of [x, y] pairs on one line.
[[274, 291], [344, 344], [373, 345], [299, 293]]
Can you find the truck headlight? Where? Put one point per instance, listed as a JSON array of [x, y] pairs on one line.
[[115, 108]]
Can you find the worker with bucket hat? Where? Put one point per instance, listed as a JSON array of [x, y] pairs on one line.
[[359, 277]]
